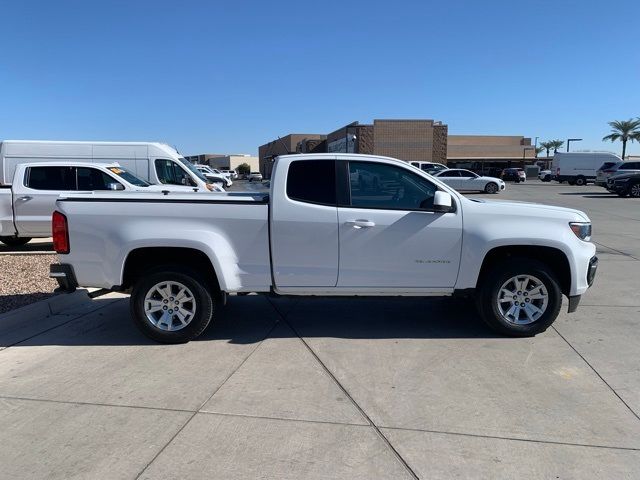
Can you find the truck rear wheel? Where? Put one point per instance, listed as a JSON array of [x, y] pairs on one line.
[[171, 304], [581, 181], [15, 241], [520, 298]]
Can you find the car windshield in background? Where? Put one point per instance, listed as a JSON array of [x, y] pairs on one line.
[[193, 169], [127, 176], [607, 165]]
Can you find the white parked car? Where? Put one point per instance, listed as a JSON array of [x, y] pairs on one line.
[[545, 175], [233, 175], [429, 167], [467, 181], [214, 176], [255, 177], [318, 233], [27, 204]]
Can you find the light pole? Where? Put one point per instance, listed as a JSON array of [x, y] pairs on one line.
[[569, 140]]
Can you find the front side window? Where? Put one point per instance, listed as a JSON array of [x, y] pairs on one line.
[[93, 179], [169, 173], [51, 178], [450, 173], [312, 181], [467, 174], [383, 186]]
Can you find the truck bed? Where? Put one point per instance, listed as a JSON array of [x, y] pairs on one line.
[[230, 228]]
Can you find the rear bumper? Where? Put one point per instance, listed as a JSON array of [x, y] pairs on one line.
[[63, 274]]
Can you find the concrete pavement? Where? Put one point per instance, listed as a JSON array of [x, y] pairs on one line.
[[336, 388]]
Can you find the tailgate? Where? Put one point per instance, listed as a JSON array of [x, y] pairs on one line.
[[7, 228]]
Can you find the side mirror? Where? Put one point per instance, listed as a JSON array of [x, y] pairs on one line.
[[442, 202], [115, 186]]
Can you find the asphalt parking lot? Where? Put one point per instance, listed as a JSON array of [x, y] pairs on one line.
[[335, 388]]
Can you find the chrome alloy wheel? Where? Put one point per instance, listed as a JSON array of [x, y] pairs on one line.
[[491, 188], [635, 190], [522, 299], [169, 306]]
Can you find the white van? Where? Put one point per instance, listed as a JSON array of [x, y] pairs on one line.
[[579, 168], [157, 163]]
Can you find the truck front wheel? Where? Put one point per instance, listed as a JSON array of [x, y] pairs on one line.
[[519, 298], [15, 241], [171, 305]]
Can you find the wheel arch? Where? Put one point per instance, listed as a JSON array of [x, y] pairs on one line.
[[141, 260], [553, 257]]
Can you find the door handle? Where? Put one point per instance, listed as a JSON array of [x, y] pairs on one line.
[[361, 223], [25, 198]]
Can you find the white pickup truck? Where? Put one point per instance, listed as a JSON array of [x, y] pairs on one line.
[[27, 204], [320, 231]]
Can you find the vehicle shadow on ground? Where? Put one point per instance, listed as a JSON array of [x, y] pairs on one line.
[[29, 247], [249, 319], [10, 302]]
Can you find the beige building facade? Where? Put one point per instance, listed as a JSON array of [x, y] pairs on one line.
[[487, 152], [410, 140]]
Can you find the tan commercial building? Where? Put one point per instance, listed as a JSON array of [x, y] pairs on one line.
[[410, 140], [487, 152], [294, 142]]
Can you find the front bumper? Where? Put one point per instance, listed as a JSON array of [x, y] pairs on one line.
[[591, 270], [574, 300], [63, 274]]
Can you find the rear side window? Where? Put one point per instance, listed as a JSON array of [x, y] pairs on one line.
[[630, 166], [312, 181], [452, 173], [51, 178]]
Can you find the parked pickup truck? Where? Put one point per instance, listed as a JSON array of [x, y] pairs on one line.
[[26, 205], [322, 232]]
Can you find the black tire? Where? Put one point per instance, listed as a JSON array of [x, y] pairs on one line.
[[634, 190], [15, 241], [581, 181], [202, 297], [491, 187], [493, 280], [571, 182]]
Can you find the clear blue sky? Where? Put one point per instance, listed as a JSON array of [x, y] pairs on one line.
[[229, 76]]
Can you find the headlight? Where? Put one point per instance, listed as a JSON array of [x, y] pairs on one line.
[[582, 230]]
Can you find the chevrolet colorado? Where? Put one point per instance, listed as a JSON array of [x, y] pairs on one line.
[[322, 230]]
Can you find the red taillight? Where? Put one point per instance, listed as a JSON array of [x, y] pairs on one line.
[[60, 233]]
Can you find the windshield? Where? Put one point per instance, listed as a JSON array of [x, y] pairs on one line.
[[193, 169], [127, 176]]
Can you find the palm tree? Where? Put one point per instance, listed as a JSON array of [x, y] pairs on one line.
[[556, 144], [546, 146], [624, 130], [539, 150]]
